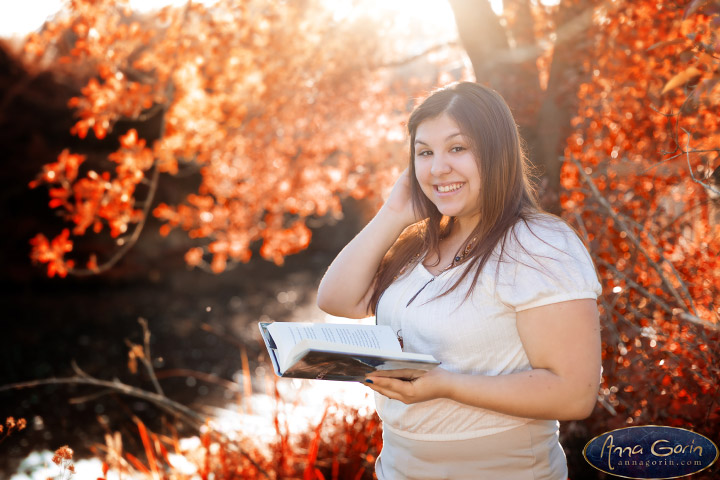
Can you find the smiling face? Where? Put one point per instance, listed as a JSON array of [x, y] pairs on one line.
[[446, 168]]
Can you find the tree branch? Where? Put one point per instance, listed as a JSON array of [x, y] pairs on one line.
[[481, 34], [657, 300], [190, 416], [148, 114], [86, 272], [169, 89], [405, 61], [709, 188], [630, 235], [177, 409], [147, 357], [655, 244], [205, 377]]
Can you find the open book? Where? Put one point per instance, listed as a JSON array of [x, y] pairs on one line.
[[329, 351]]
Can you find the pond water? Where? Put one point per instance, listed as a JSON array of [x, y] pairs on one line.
[[200, 325], [300, 407]]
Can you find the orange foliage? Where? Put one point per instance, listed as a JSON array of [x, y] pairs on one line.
[[283, 109], [642, 193], [63, 458], [11, 426], [282, 122], [53, 253], [344, 444]]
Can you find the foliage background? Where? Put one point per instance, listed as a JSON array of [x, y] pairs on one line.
[[243, 172]]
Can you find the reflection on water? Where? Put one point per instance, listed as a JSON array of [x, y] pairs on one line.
[[298, 406], [39, 466], [301, 406]]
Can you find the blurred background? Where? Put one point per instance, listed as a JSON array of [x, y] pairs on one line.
[[197, 165]]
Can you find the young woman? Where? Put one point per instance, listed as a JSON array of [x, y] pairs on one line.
[[463, 265]]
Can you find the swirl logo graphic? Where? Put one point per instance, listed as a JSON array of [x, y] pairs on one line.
[[651, 451]]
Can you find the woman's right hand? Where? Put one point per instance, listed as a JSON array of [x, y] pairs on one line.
[[399, 202]]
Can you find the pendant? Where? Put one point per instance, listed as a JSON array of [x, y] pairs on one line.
[[418, 292]]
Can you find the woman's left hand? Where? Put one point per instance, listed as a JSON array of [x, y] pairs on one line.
[[412, 386]]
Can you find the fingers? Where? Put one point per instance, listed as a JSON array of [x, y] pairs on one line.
[[403, 374], [388, 382], [392, 388], [416, 386], [399, 201]]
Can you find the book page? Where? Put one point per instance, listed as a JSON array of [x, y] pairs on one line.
[[288, 334], [346, 366]]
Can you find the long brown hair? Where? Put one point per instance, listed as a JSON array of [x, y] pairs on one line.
[[506, 195]]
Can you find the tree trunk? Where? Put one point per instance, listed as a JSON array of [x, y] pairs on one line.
[[482, 37], [560, 102], [506, 60]]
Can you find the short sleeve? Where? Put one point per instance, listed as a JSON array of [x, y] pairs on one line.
[[544, 262]]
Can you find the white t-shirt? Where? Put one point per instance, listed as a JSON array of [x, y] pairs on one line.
[[479, 335]]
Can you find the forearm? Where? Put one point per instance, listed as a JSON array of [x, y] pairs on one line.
[[537, 393], [345, 285], [562, 343]]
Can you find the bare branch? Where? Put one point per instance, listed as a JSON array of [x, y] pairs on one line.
[[659, 302], [630, 235], [432, 49], [581, 226], [706, 186], [170, 406], [85, 272], [205, 377], [655, 244], [177, 409], [147, 357], [120, 253], [149, 113], [698, 321], [635, 285], [91, 397], [606, 405], [78, 371]]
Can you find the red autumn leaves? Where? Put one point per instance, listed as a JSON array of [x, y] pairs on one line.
[[264, 103]]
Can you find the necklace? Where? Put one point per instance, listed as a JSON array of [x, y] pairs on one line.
[[459, 258]]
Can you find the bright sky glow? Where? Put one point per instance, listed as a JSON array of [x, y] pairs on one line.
[[20, 18], [497, 6]]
